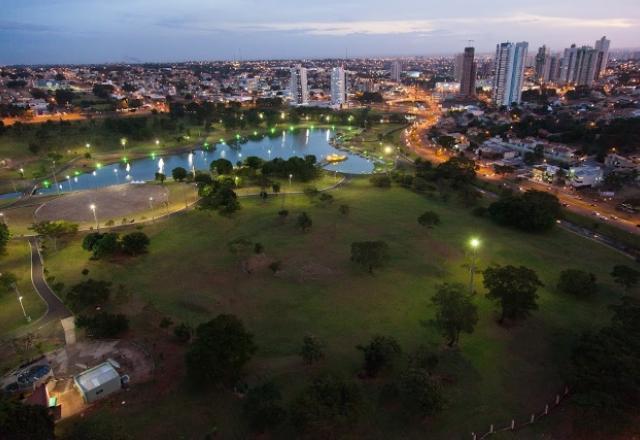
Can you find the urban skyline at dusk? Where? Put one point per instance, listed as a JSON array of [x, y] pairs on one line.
[[71, 31]]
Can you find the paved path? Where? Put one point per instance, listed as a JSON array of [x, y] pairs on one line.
[[56, 310]]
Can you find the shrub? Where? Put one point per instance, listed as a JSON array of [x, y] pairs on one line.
[[577, 283], [381, 181], [103, 324]]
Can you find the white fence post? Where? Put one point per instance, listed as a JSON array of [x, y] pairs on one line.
[[533, 418], [566, 390], [557, 399], [473, 436], [491, 429], [513, 424], [546, 409]]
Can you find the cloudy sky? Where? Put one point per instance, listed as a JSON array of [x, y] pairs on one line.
[[87, 31]]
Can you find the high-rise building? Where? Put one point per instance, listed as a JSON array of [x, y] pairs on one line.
[[298, 85], [457, 67], [468, 76], [602, 45], [579, 65], [509, 72], [543, 64], [338, 86], [396, 71], [554, 69]]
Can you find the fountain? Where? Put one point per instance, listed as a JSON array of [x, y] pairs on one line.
[[161, 166]]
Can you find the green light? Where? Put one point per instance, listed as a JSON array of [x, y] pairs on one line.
[[46, 184], [312, 127], [255, 133], [221, 141], [98, 165], [237, 136], [153, 155], [124, 159], [333, 127], [76, 173], [273, 129], [206, 144], [291, 128], [349, 128]]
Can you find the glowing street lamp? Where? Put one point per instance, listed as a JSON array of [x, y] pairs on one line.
[[24, 312], [150, 202], [123, 142], [290, 177], [157, 142], [93, 209], [4, 219], [474, 244], [69, 182], [87, 145]]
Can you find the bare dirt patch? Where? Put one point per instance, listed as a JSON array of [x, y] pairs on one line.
[[112, 203]]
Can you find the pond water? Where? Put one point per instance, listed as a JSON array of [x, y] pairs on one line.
[[284, 145]]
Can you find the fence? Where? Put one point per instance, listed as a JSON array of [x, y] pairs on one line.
[[515, 426]]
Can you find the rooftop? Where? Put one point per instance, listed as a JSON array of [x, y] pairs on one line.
[[96, 376]]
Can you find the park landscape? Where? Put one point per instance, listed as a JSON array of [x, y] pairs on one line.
[[274, 259]]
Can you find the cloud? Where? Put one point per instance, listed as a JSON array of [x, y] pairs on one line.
[[396, 27]]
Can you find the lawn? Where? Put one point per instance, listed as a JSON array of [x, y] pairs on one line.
[[18, 261], [497, 374]]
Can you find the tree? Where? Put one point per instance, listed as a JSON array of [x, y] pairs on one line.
[[312, 350], [626, 276], [135, 243], [344, 210], [455, 312], [8, 282], [4, 238], [604, 364], [420, 394], [106, 244], [304, 221], [263, 407], [429, 219], [24, 422], [458, 170], [54, 230], [219, 197], [328, 404], [103, 325], [182, 332], [221, 166], [577, 283], [370, 254], [160, 177], [423, 358], [533, 211], [88, 293], [219, 352], [380, 181], [179, 174], [513, 288], [380, 353]]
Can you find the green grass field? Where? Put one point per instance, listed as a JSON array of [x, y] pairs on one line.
[[497, 374], [18, 261]]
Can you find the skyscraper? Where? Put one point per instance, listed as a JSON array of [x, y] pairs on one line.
[[338, 86], [396, 71], [509, 72], [603, 46], [580, 65], [298, 85], [543, 64], [457, 67], [468, 76]]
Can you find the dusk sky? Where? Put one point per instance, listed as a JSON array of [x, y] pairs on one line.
[[89, 31]]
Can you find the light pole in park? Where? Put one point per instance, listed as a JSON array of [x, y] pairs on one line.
[[123, 142], [474, 244], [4, 218], [93, 209], [24, 312]]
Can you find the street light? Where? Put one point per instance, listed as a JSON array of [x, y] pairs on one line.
[[290, 177], [474, 243], [92, 207], [24, 312], [157, 141], [123, 142], [88, 145], [4, 219]]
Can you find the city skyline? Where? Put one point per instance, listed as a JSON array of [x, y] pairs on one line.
[[70, 31]]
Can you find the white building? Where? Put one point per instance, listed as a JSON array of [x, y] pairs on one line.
[[509, 72], [98, 382], [585, 176], [338, 86], [298, 85]]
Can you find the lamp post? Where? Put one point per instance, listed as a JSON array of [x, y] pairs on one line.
[[92, 207], [24, 312], [290, 177], [474, 243], [123, 142], [4, 218]]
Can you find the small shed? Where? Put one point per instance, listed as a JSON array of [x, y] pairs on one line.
[[98, 382]]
